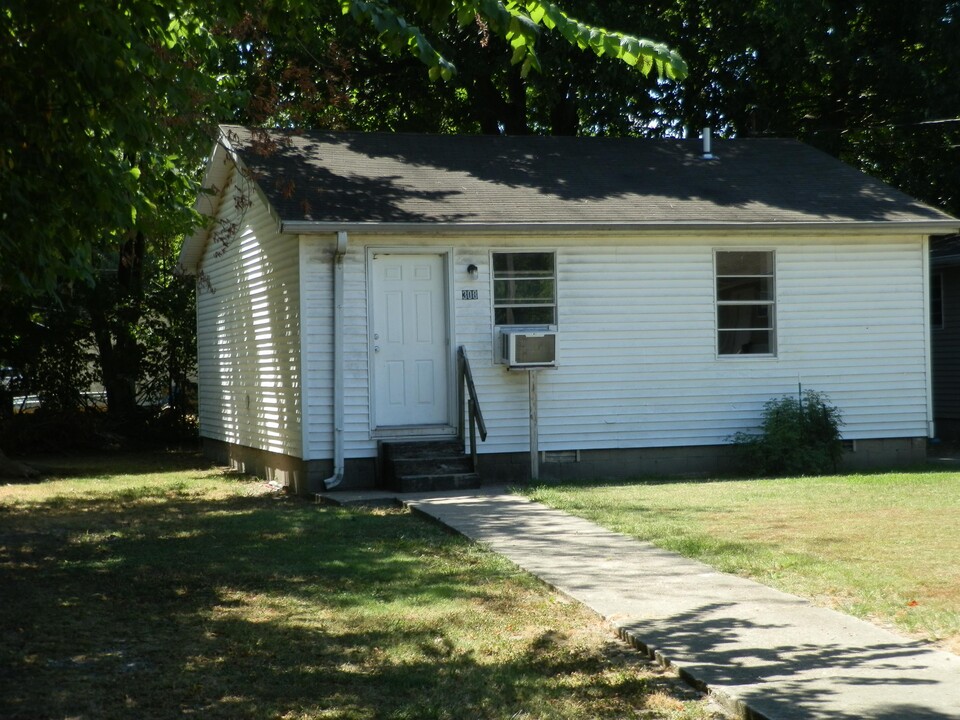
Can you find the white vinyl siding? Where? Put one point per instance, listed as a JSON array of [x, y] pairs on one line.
[[248, 332], [637, 341], [316, 288], [318, 256]]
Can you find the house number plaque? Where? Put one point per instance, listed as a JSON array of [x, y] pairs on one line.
[[469, 294]]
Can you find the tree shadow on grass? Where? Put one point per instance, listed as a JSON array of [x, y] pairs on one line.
[[260, 606], [75, 465], [786, 679], [786, 657]]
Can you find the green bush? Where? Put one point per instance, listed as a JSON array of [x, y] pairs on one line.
[[799, 436]]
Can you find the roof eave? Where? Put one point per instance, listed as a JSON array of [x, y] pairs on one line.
[[207, 204], [878, 227]]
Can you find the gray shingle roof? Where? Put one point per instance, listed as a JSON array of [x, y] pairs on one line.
[[372, 178]]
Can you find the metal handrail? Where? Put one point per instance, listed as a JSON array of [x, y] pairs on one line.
[[473, 411]]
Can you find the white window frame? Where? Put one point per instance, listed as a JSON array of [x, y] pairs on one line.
[[493, 289], [771, 304]]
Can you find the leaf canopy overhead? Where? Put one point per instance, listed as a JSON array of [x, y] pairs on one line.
[[517, 22], [106, 109]]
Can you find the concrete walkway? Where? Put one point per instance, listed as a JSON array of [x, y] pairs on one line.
[[760, 652]]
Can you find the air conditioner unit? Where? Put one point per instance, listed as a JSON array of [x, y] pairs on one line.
[[525, 348]]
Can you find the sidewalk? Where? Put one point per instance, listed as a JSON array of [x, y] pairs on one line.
[[761, 652]]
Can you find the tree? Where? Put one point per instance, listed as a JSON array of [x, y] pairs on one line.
[[516, 21], [488, 93], [107, 109], [103, 109], [866, 82]]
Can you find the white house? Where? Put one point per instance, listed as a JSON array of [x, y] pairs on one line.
[[341, 272]]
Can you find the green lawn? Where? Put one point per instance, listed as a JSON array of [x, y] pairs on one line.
[[158, 587], [884, 547]]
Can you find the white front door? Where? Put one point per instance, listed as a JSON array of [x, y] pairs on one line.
[[410, 355]]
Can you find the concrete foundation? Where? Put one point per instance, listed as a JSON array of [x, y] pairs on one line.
[[616, 464], [304, 478], [275, 467], [887, 453], [296, 475]]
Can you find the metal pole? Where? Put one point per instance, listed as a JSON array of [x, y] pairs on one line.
[[534, 433]]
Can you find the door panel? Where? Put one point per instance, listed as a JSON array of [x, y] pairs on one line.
[[409, 322]]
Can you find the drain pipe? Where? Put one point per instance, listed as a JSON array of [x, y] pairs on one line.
[[338, 408]]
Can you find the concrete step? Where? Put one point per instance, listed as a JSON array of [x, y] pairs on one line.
[[432, 465], [426, 466], [434, 482], [416, 450]]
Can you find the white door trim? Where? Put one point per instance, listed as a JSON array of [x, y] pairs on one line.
[[449, 426]]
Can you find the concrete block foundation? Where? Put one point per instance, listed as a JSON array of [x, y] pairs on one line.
[[306, 477]]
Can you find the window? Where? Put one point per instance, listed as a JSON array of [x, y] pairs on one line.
[[936, 301], [745, 303], [524, 288]]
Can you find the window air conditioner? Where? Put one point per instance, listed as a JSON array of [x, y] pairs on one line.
[[521, 348]]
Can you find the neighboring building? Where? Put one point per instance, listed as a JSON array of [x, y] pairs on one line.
[[343, 271], [945, 332]]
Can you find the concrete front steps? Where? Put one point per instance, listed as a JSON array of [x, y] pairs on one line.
[[428, 466]]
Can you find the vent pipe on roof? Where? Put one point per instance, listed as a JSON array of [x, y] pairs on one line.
[[706, 144]]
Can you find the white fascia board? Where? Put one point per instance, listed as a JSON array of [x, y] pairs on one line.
[[924, 227], [207, 204]]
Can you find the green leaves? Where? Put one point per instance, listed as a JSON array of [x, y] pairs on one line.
[[518, 22], [396, 34], [798, 436], [90, 108], [605, 43]]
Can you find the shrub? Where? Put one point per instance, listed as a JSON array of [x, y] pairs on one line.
[[798, 436]]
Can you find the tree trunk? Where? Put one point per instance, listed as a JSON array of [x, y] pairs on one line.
[[114, 314], [488, 105], [515, 119], [563, 115], [6, 406]]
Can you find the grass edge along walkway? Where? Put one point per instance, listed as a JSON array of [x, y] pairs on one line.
[[878, 546], [764, 653]]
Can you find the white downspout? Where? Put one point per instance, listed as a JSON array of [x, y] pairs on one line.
[[338, 408]]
